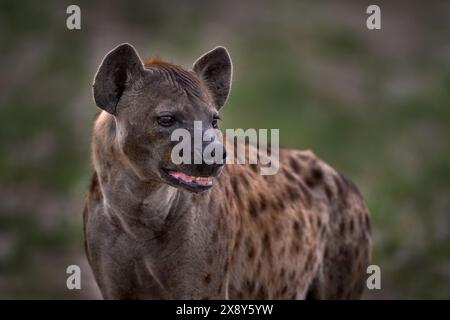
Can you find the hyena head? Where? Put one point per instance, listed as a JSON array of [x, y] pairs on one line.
[[150, 100]]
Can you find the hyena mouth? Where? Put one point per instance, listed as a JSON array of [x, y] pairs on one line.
[[192, 181]]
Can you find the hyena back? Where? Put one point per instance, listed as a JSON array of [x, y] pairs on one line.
[[159, 231]]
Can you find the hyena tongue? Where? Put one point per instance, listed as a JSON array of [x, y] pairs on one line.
[[204, 181], [181, 176]]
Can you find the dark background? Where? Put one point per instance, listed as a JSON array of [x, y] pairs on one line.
[[373, 104]]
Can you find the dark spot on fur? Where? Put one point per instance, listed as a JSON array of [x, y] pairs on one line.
[[296, 226], [238, 237], [308, 265], [252, 208], [262, 203], [225, 268], [261, 293], [266, 243], [250, 285], [352, 226], [207, 278], [328, 193], [295, 248], [310, 256], [215, 235], [244, 181], [292, 276], [310, 182], [258, 268], [330, 277], [293, 193], [282, 251], [279, 204], [251, 253], [283, 290], [234, 184], [282, 273], [317, 174], [318, 223], [342, 228], [254, 168], [294, 165], [227, 192], [250, 248]]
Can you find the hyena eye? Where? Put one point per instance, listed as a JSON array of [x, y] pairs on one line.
[[215, 123], [166, 121]]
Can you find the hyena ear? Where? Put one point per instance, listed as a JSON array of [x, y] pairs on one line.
[[215, 68], [118, 70]]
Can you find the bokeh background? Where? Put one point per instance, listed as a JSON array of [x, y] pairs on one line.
[[374, 104]]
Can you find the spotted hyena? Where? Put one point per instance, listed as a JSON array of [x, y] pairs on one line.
[[158, 230]]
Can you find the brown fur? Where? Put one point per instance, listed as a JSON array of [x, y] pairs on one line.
[[302, 233]]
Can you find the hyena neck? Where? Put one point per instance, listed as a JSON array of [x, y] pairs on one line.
[[136, 206]]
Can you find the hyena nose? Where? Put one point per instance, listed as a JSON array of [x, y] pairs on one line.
[[224, 153], [212, 159]]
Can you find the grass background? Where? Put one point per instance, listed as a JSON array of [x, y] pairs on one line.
[[374, 104]]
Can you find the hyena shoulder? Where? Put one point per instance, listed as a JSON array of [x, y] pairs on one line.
[[289, 227]]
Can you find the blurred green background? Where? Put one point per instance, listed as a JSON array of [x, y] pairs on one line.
[[374, 104]]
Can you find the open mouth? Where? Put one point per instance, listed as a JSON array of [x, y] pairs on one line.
[[193, 183]]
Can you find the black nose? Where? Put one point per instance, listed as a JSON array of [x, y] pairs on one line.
[[224, 154], [210, 158]]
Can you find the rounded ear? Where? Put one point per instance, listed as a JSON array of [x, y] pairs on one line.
[[215, 68], [120, 67]]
